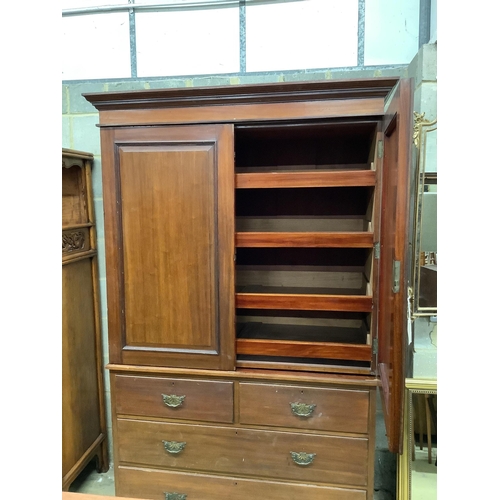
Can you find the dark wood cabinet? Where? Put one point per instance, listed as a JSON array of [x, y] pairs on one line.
[[256, 241], [84, 435]]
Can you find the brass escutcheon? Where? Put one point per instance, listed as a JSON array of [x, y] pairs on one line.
[[302, 409], [302, 458], [174, 446], [172, 400]]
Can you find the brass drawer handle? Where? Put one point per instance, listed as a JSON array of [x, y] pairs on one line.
[[302, 458], [175, 496], [302, 409], [174, 446], [172, 400]]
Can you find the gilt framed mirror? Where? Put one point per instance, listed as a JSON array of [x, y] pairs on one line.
[[417, 465], [424, 286]]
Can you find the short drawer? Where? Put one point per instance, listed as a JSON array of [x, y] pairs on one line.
[[206, 400], [154, 484], [246, 452], [325, 409]]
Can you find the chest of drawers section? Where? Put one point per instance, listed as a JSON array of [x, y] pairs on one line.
[[185, 438]]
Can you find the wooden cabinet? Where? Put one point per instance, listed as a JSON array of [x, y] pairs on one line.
[[257, 280], [83, 418]]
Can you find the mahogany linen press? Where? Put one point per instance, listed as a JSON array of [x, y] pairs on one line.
[[256, 266]]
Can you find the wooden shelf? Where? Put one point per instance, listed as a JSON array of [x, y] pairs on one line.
[[310, 239], [341, 178], [304, 365], [302, 224], [327, 167], [303, 349], [307, 302], [262, 330]]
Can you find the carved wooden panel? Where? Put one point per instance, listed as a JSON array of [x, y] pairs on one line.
[[75, 240]]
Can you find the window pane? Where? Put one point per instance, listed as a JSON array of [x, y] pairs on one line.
[[95, 46], [189, 42], [302, 35], [391, 31], [178, 3], [81, 4]]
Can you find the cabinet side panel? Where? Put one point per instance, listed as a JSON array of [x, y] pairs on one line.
[[168, 217], [113, 247], [80, 417]]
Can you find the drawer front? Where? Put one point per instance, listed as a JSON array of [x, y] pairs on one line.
[[336, 410], [236, 451], [144, 483], [206, 400]]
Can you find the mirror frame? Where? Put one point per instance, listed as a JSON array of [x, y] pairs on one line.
[[412, 386], [421, 128]]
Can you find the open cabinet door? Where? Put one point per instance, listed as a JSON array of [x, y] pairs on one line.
[[394, 265]]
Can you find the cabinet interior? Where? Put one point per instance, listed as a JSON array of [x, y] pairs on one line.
[[304, 146], [305, 216], [73, 196]]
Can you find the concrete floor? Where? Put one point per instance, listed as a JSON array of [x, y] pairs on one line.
[[424, 476], [91, 481]]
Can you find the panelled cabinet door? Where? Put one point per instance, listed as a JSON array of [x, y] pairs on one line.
[[169, 221], [393, 283]]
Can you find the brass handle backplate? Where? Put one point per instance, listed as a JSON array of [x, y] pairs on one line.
[[302, 409], [302, 458], [174, 446], [175, 496], [172, 400]]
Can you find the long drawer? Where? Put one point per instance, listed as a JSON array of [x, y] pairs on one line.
[[325, 409], [183, 399], [246, 452], [167, 485]]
